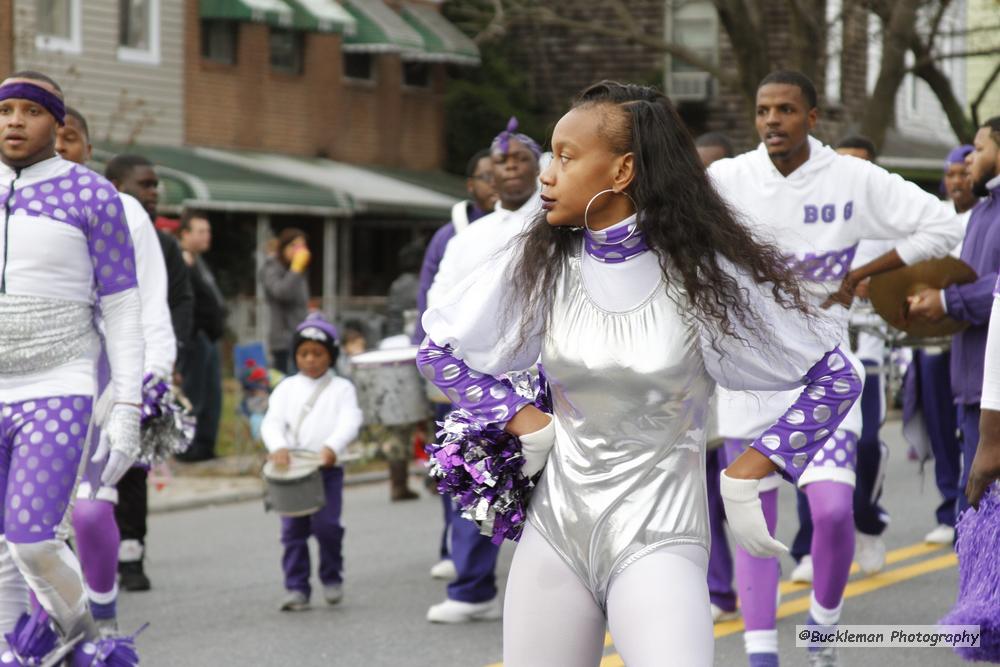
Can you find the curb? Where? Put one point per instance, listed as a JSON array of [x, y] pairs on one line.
[[195, 501]]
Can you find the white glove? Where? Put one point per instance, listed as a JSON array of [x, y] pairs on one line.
[[746, 517], [119, 436], [535, 448]]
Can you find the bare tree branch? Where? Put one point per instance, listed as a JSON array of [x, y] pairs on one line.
[[990, 80], [551, 17], [940, 84], [931, 57], [625, 16], [743, 23], [936, 21], [899, 30]]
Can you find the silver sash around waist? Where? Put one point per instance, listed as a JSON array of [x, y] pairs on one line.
[[37, 334]]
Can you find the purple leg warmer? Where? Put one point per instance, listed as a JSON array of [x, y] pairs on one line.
[[757, 578], [97, 543], [831, 506]]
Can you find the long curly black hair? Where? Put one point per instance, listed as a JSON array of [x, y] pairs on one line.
[[683, 218]]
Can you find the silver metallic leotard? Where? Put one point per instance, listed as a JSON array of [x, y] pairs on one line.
[[630, 397]]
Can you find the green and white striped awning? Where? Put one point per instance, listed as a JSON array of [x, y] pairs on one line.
[[443, 41], [322, 16], [271, 12], [380, 30]]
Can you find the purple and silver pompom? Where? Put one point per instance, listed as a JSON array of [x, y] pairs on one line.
[[479, 465], [167, 423], [33, 641], [978, 600]]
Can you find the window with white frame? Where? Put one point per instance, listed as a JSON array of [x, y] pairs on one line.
[[139, 31], [57, 25], [693, 24]]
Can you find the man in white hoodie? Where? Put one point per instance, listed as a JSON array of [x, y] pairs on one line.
[[815, 205]]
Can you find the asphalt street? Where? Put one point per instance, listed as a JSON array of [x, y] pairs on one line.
[[217, 584]]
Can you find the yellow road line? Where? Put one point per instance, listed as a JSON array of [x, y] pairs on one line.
[[788, 587], [855, 588], [891, 558], [858, 587]]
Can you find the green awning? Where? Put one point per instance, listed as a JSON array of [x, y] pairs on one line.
[[380, 29], [443, 41], [271, 12], [322, 16], [191, 178], [372, 192]]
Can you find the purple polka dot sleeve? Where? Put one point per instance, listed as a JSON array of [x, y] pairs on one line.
[[833, 387], [482, 395], [108, 239]]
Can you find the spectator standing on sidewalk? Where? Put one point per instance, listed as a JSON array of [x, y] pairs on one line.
[[203, 375], [286, 288]]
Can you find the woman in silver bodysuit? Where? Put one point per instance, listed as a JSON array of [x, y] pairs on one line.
[[639, 291]]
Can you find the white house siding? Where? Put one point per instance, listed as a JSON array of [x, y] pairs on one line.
[[918, 112], [122, 101]]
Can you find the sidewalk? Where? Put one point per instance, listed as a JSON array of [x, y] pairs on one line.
[[228, 480]]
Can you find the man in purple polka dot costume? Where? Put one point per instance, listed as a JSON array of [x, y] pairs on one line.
[[66, 251]]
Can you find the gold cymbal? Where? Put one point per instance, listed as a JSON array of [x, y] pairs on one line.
[[889, 291]]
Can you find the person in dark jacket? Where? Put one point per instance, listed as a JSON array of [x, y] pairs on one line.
[[134, 175], [203, 376], [286, 288], [402, 298]]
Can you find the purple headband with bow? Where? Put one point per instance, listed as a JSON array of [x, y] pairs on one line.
[[22, 90], [957, 155], [501, 143]]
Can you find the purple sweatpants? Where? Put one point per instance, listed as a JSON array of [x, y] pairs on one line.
[[325, 526]]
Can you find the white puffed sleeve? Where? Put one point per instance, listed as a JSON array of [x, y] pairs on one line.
[[773, 353], [476, 323]]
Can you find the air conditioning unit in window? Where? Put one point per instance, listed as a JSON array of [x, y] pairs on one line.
[[692, 86]]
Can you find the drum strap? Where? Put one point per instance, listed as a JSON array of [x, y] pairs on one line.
[[308, 406]]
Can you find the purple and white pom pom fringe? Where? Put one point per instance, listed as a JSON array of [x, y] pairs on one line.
[[31, 642], [978, 600], [167, 424], [34, 642], [107, 652], [479, 464]]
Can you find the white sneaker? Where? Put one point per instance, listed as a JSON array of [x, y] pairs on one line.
[[444, 569], [941, 535], [803, 572], [719, 615], [454, 611], [869, 552]]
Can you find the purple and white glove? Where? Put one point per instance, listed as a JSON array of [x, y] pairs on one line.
[[120, 442]]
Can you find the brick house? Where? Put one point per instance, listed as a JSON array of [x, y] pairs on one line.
[[318, 114]]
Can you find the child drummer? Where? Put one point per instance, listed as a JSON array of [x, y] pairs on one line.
[[317, 411]]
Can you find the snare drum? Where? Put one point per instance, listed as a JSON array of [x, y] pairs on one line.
[[390, 389], [295, 490]]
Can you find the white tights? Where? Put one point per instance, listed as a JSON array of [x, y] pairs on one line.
[[658, 610], [14, 599], [52, 571]]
